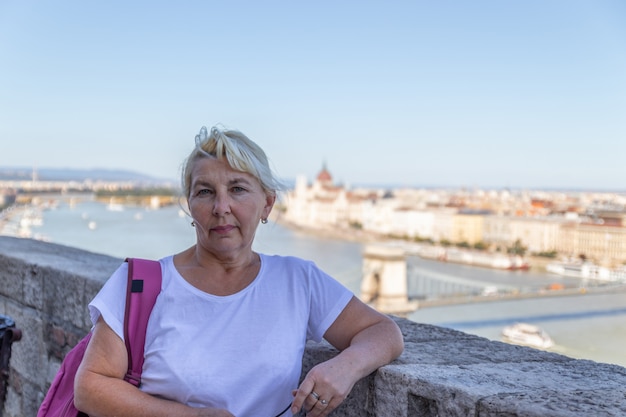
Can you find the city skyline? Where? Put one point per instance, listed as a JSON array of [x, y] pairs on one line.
[[482, 94], [45, 178]]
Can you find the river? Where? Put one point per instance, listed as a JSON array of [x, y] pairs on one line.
[[590, 326]]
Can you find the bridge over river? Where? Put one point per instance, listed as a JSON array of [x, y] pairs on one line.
[[409, 281]]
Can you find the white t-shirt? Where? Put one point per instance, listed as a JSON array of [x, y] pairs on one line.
[[241, 352]]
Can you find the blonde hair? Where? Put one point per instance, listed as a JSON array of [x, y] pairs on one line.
[[239, 151]]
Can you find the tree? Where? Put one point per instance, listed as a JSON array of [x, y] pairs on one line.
[[480, 246], [549, 254], [517, 249]]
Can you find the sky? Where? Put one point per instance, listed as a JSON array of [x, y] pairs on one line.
[[455, 93]]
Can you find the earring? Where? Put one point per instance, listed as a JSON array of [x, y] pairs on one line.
[[193, 224], [264, 221]]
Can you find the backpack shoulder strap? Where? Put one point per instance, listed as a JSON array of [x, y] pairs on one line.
[[144, 285]]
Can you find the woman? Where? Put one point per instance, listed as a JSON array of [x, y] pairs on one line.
[[228, 330]]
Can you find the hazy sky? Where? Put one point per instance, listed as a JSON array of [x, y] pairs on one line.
[[438, 93]]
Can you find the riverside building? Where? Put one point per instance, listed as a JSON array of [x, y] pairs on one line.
[[575, 225]]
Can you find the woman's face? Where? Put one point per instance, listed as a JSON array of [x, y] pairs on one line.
[[226, 206]]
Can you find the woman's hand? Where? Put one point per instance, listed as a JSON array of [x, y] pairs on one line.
[[324, 387], [367, 340]]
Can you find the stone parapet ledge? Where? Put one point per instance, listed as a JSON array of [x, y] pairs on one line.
[[447, 373], [45, 288]]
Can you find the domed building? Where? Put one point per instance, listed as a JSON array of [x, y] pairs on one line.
[[321, 203], [324, 176]]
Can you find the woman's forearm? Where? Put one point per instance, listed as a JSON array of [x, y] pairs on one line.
[[101, 396], [373, 347]]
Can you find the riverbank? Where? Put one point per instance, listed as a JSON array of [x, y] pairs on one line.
[[18, 219], [546, 293], [536, 263], [348, 235]]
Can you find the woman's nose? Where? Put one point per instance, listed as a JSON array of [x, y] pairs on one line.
[[221, 205]]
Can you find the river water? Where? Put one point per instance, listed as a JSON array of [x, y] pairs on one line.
[[590, 326]]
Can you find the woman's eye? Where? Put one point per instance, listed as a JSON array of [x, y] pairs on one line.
[[238, 189], [204, 191]]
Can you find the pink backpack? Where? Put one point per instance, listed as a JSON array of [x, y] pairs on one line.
[[144, 285]]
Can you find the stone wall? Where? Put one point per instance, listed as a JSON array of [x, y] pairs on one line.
[[45, 288]]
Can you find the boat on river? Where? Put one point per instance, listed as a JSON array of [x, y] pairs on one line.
[[582, 270], [484, 259], [527, 335]]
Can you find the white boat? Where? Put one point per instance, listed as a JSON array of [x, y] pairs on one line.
[[488, 260], [527, 335], [113, 206], [579, 270]]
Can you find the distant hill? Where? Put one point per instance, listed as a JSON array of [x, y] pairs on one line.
[[68, 174]]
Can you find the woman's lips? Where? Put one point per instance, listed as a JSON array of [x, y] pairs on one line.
[[223, 229]]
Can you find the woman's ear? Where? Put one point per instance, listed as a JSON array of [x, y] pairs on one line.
[[270, 199]]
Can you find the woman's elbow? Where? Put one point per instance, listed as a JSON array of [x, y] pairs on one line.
[[82, 391], [396, 341]]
